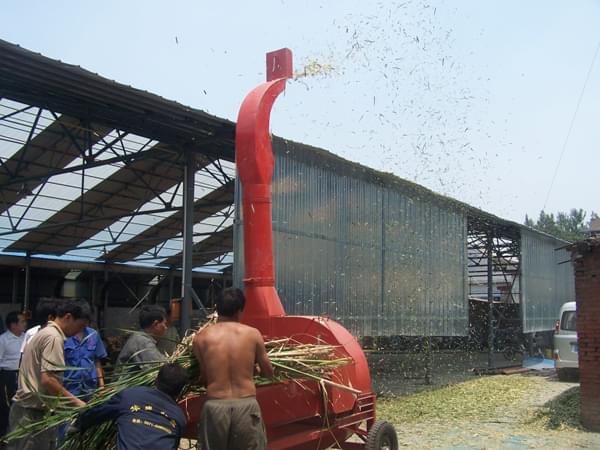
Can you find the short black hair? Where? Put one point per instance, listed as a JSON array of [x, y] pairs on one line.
[[78, 308], [45, 307], [150, 313], [171, 379], [230, 301], [12, 317]]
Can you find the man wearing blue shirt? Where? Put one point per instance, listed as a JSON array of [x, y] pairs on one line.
[[147, 418], [85, 351]]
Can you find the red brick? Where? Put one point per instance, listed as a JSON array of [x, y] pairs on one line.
[[587, 288]]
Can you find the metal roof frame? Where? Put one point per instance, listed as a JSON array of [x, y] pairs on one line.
[[34, 79], [89, 124]]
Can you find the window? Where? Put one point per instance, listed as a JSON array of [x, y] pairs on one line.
[[569, 321]]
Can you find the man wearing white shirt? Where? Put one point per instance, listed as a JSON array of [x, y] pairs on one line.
[[10, 355]]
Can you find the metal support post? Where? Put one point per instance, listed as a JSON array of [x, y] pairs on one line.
[[171, 283], [15, 286], [381, 312], [105, 300], [94, 297], [188, 231], [428, 360], [490, 296], [27, 282]]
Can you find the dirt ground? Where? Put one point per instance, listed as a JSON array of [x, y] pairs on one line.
[[512, 426]]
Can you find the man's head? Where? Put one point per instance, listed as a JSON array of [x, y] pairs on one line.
[[171, 379], [153, 320], [45, 310], [72, 316], [230, 303], [16, 323]]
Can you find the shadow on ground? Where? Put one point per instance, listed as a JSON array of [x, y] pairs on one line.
[[562, 411]]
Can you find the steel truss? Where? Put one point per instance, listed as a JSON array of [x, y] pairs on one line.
[[85, 154], [494, 258], [505, 247]]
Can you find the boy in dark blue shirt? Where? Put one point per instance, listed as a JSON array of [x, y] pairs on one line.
[[147, 418]]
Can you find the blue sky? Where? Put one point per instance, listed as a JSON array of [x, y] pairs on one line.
[[471, 99]]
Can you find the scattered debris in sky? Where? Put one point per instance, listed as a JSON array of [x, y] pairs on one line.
[[409, 105]]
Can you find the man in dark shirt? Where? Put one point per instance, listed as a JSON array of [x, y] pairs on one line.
[[141, 348], [147, 418]]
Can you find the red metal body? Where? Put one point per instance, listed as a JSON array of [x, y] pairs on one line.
[[298, 415]]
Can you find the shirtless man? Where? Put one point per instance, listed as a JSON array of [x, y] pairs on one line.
[[228, 353]]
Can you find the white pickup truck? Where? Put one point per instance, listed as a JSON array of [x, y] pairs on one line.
[[566, 358]]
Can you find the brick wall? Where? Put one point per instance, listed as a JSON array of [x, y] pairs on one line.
[[586, 259]]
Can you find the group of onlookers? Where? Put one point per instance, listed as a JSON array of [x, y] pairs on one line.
[[42, 364], [62, 356], [60, 359]]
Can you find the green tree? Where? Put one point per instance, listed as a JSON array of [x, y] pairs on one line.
[[569, 226]]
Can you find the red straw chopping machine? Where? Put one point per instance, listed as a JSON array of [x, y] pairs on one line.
[[298, 415]]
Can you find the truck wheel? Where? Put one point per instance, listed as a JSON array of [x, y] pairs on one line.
[[382, 436]]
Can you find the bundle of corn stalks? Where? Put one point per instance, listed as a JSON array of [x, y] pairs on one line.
[[292, 360]]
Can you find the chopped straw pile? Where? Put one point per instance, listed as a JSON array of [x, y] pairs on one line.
[[291, 360], [475, 399]]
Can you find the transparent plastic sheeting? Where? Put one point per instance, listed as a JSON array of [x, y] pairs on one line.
[[547, 280], [380, 261]]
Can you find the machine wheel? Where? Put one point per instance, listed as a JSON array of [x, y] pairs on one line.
[[382, 436]]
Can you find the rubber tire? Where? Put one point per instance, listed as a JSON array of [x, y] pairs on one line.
[[381, 433]]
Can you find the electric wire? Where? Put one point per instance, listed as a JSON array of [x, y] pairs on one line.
[[566, 141]]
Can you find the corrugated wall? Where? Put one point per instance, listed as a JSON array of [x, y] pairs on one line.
[[381, 261], [425, 268], [547, 280]]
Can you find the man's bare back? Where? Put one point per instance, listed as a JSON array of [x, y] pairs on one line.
[[227, 353]]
